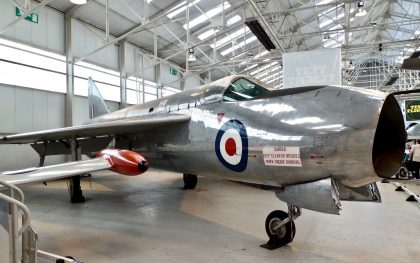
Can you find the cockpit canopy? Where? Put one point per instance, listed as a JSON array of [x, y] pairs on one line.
[[232, 89], [243, 89]]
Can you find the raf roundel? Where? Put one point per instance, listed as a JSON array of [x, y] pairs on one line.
[[231, 145]]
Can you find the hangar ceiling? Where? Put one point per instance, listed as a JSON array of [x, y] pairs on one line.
[[384, 30]]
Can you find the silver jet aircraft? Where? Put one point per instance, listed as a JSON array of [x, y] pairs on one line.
[[313, 146]]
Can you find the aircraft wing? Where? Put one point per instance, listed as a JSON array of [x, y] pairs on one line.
[[119, 127], [120, 161], [53, 172]]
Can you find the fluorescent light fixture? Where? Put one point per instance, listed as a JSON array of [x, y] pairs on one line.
[[239, 45], [79, 2], [230, 37], [181, 8], [207, 15]]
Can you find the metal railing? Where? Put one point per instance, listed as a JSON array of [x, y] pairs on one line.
[[15, 199]]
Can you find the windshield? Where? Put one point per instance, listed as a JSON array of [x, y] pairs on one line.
[[243, 89]]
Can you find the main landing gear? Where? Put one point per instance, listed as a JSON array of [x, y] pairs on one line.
[[280, 227], [190, 181]]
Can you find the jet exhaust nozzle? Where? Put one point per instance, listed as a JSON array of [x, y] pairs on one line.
[[390, 137], [124, 161]]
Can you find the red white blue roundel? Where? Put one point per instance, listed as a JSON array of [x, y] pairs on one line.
[[232, 145]]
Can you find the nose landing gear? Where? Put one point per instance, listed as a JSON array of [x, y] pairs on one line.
[[280, 227]]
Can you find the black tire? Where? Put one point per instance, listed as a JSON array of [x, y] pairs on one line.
[[402, 173], [285, 234], [190, 181]]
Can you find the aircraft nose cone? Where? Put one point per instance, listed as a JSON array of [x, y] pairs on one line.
[[143, 166]]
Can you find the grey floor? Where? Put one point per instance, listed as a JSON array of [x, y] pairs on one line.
[[150, 219]]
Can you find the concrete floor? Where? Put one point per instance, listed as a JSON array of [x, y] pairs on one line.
[[150, 219]]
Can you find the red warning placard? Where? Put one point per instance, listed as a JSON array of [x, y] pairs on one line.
[[282, 156]]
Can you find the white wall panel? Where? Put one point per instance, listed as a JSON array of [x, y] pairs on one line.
[[168, 78], [192, 82], [81, 109], [47, 34], [86, 40], [131, 61], [22, 110]]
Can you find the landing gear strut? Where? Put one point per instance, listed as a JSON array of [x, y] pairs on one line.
[[280, 227], [190, 181], [75, 191]]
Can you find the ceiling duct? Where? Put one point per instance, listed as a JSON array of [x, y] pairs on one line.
[[260, 33]]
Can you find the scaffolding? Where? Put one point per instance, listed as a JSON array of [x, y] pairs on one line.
[[380, 73]]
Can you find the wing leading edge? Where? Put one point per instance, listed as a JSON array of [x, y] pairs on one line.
[[120, 161], [53, 172], [119, 127]]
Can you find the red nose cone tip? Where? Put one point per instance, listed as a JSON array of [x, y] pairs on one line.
[[124, 161]]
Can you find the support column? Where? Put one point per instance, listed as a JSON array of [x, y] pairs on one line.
[[123, 74], [75, 190], [157, 67], [69, 73]]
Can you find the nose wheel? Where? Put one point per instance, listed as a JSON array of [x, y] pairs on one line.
[[280, 227], [190, 181]]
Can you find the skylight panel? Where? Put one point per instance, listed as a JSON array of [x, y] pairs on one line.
[[277, 78], [323, 2], [262, 74], [330, 10], [250, 67], [233, 20], [208, 33], [239, 45], [212, 31], [207, 15], [263, 68], [331, 20], [179, 10], [230, 37], [270, 77], [261, 54]]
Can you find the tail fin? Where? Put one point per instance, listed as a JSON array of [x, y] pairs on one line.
[[97, 106]]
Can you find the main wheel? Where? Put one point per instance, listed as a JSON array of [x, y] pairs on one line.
[[283, 235], [190, 181]]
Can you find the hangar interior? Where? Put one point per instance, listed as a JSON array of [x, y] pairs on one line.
[[141, 50]]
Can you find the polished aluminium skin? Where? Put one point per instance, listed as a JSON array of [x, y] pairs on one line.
[[343, 138]]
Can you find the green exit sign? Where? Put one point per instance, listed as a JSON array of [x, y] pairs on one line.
[[32, 17], [173, 71]]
